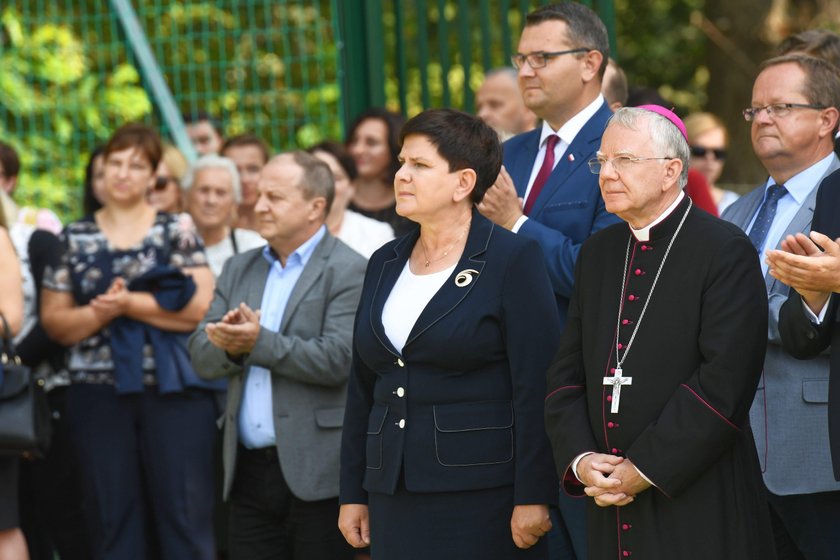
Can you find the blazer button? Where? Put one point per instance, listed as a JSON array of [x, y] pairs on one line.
[[400, 362], [401, 423], [400, 392]]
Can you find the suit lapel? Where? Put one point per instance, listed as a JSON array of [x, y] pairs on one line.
[[388, 275], [466, 275], [520, 172], [308, 277], [583, 145], [256, 282]]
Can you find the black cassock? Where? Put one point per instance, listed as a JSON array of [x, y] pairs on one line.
[[694, 363]]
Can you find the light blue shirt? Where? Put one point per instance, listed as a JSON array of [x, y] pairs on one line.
[[256, 413], [798, 188]]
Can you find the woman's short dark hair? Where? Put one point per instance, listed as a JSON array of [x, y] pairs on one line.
[[393, 123], [463, 140], [140, 137], [89, 202], [339, 152]]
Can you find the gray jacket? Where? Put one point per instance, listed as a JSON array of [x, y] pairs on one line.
[[789, 414], [309, 360]]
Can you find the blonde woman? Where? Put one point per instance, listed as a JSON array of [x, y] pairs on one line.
[[708, 141]]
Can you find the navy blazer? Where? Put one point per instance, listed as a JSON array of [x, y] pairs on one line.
[[569, 208], [460, 408], [805, 340]]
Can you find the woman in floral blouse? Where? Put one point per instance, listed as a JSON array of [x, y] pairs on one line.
[[131, 284]]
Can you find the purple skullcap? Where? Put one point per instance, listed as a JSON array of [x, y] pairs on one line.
[[668, 114]]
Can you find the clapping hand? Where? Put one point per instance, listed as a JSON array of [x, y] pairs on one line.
[[808, 264], [113, 303], [237, 332]]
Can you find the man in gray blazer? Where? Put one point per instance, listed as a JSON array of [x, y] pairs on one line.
[[794, 116], [280, 327]]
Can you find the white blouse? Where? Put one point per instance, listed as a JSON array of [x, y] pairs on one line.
[[407, 300]]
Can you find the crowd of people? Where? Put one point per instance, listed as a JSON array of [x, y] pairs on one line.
[[545, 331]]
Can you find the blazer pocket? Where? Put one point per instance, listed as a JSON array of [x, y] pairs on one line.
[[373, 451], [815, 391], [473, 434], [329, 417]]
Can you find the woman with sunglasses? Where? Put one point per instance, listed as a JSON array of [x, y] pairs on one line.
[[165, 194], [708, 140]]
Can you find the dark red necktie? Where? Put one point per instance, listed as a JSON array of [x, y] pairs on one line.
[[542, 175]]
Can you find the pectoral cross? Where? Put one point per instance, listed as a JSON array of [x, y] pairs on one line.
[[617, 381]]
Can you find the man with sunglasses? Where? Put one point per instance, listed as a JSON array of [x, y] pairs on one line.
[[793, 117]]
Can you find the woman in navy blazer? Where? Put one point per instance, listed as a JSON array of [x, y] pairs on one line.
[[444, 451]]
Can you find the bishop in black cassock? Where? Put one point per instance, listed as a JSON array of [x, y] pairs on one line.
[[671, 465]]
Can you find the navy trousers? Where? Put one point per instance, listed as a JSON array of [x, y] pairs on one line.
[[567, 537], [141, 449], [805, 525]]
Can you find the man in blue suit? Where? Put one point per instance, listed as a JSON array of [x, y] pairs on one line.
[[545, 190], [555, 200], [794, 116]]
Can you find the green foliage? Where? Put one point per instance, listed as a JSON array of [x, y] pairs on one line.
[[50, 103], [69, 79], [659, 48]]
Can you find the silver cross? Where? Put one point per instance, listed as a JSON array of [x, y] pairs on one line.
[[617, 381]]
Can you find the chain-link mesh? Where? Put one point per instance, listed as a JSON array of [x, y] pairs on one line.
[[68, 78]]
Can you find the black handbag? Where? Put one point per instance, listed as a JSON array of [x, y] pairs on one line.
[[25, 425]]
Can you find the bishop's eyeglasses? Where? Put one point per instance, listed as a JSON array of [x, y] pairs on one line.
[[619, 163], [776, 110], [539, 59]]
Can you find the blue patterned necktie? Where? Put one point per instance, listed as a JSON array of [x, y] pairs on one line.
[[766, 213]]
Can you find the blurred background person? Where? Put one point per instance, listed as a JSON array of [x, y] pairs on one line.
[[499, 103], [820, 43], [364, 235], [212, 192], [141, 423], [205, 132], [12, 543], [94, 185], [50, 497], [51, 503], [250, 153], [41, 218], [614, 86], [444, 452], [165, 194], [372, 142], [708, 141]]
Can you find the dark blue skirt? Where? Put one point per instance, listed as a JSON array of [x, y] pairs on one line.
[[446, 525]]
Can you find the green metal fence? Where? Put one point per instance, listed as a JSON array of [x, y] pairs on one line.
[[69, 76], [415, 54], [291, 71]]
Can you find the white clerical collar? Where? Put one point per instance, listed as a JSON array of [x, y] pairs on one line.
[[644, 233], [569, 130]]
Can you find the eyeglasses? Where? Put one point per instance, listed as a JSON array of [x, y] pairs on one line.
[[162, 181], [701, 152], [619, 163], [540, 59], [776, 110]]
